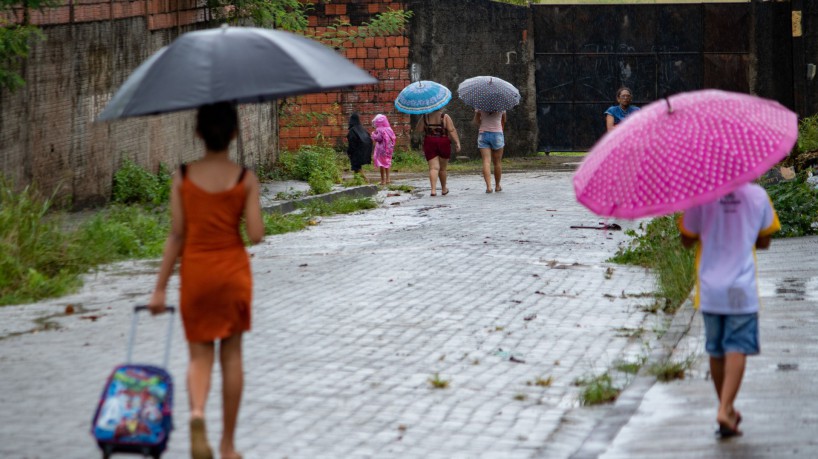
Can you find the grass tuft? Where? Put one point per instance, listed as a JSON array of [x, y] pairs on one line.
[[437, 382], [669, 370], [597, 390]]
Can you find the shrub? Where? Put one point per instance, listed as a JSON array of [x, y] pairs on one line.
[[316, 165], [135, 185], [796, 203], [808, 134], [122, 232]]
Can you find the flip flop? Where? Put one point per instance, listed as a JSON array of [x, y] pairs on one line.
[[727, 431], [489, 191], [445, 192]]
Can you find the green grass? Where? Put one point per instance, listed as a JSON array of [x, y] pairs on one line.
[[404, 188], [42, 256], [657, 246], [276, 223], [409, 161], [669, 370], [629, 367], [597, 390], [437, 382], [572, 154]]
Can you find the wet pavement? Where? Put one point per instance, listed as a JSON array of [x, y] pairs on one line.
[[492, 293], [779, 396]]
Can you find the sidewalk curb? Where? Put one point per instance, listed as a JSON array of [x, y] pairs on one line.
[[364, 191], [630, 399]]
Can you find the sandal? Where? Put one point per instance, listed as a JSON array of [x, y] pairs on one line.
[[445, 191], [199, 449], [726, 431], [498, 188], [489, 190]]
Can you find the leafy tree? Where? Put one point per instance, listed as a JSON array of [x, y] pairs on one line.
[[15, 40]]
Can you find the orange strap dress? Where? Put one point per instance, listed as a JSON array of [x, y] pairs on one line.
[[216, 282]]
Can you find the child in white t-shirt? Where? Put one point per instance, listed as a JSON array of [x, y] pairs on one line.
[[728, 231]]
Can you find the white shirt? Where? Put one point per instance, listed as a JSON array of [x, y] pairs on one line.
[[727, 229]]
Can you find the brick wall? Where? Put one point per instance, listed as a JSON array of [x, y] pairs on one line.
[[47, 131], [325, 116]]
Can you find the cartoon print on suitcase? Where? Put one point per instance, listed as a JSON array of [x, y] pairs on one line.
[[135, 411], [136, 406]]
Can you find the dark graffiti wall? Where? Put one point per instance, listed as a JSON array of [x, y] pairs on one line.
[[456, 40]]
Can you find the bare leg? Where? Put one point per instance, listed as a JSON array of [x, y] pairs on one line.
[[717, 372], [443, 175], [485, 153], [232, 385], [734, 364], [383, 176], [496, 158], [199, 373], [434, 172], [388, 180]]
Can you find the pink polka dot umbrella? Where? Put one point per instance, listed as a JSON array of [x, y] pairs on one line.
[[684, 151], [488, 93]]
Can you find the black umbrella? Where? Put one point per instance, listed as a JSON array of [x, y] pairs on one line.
[[231, 64]]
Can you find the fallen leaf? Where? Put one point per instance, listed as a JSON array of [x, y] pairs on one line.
[[531, 317], [91, 318], [515, 359], [303, 265], [69, 309]]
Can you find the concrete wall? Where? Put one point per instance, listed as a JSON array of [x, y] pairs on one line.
[[809, 27], [456, 40], [47, 130]]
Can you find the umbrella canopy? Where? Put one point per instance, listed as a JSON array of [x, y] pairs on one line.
[[423, 97], [490, 94], [684, 151], [231, 64]]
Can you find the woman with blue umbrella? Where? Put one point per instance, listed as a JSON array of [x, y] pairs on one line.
[[427, 98]]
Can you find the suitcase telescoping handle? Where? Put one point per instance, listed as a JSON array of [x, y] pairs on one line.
[[169, 309]]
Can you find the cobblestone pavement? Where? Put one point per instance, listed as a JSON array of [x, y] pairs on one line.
[[777, 397], [352, 317]]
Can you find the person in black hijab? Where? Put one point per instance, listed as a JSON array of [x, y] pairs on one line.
[[360, 145]]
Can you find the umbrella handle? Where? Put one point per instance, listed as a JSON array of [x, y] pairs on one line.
[[667, 100]]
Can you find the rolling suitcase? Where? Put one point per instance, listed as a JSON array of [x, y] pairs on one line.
[[135, 411]]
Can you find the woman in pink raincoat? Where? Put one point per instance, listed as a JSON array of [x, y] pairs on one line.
[[384, 138]]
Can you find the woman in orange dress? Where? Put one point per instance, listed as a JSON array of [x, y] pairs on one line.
[[209, 197]]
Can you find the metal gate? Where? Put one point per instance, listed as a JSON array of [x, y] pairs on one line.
[[584, 53]]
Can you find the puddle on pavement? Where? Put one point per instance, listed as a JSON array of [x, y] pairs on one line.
[[47, 322], [792, 289]]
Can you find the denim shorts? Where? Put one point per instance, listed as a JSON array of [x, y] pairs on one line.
[[731, 333], [493, 140]]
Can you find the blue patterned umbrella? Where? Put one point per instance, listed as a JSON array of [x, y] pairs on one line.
[[488, 93], [423, 97]]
